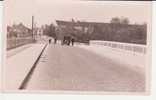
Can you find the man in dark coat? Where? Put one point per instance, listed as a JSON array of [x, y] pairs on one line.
[[72, 40], [49, 41], [55, 40]]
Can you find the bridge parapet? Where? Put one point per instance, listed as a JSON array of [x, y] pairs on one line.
[[136, 48]]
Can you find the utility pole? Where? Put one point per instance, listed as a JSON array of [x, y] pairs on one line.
[[32, 27]]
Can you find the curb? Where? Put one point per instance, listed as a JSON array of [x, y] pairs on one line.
[[28, 76]]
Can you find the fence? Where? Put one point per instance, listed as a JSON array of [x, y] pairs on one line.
[[16, 42], [137, 48]]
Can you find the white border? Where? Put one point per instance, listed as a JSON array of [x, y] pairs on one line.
[[16, 96]]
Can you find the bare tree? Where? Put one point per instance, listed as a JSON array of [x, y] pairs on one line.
[[115, 20], [124, 21], [49, 30]]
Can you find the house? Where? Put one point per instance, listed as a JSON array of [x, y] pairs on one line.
[[18, 30]]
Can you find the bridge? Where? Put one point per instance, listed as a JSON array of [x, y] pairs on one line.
[[101, 66]]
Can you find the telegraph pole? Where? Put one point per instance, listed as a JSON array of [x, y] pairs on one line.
[[32, 27]]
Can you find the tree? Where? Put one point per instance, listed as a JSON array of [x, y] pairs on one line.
[[124, 21], [115, 20], [49, 30]]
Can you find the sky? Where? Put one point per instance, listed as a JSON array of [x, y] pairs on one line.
[[47, 11]]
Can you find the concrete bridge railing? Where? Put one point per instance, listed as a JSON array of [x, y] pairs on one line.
[[136, 48]]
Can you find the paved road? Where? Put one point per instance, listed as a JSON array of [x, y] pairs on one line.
[[73, 68]]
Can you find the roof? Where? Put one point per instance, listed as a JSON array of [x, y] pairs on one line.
[[20, 26], [78, 23]]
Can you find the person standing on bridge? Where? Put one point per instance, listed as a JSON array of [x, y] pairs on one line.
[[55, 40], [49, 41], [72, 40]]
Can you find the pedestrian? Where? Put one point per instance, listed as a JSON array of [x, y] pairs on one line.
[[49, 41], [55, 40], [63, 41], [68, 40], [72, 40]]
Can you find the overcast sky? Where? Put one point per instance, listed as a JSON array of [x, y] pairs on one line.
[[47, 11]]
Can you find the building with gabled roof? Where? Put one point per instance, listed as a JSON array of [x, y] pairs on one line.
[[18, 30], [129, 33]]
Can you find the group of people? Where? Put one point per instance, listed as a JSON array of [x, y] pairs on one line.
[[67, 40], [55, 40]]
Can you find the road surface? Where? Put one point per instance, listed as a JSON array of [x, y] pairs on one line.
[[76, 69]]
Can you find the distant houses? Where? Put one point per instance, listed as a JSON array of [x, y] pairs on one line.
[[18, 30]]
